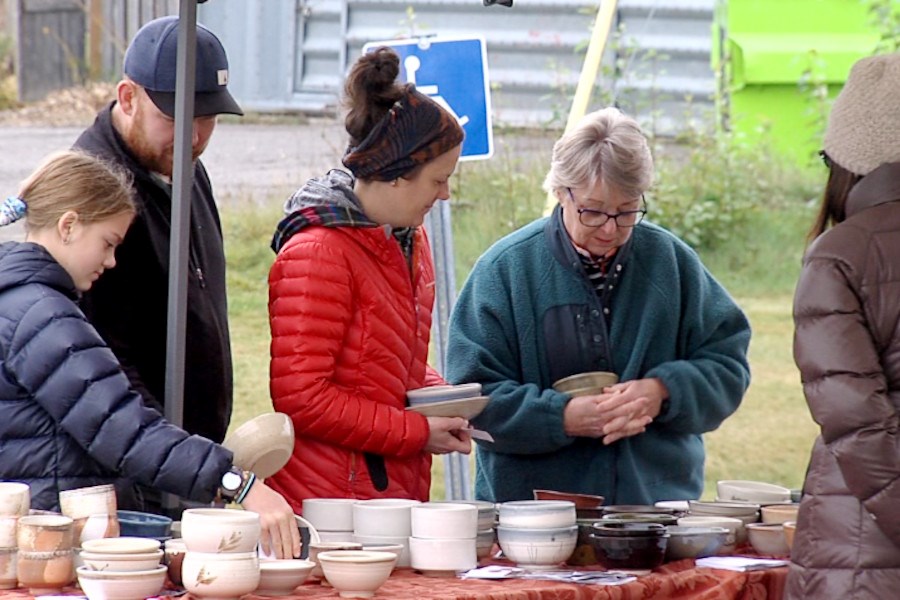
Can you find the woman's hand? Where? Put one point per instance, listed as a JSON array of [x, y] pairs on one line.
[[445, 435], [630, 406], [280, 535]]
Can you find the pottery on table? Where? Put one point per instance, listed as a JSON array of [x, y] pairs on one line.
[[640, 553], [326, 546], [779, 513], [174, 557], [121, 585], [543, 548], [752, 491], [8, 560], [694, 542], [790, 528], [329, 514], [281, 577], [383, 516], [356, 573], [768, 539], [535, 514], [442, 557], [15, 498], [220, 575], [44, 533], [134, 523], [735, 527], [99, 561], [122, 545], [45, 572], [220, 530], [443, 521]]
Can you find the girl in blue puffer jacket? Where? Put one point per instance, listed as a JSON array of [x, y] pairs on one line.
[[68, 415]]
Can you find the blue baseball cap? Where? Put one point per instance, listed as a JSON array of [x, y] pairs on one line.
[[150, 62]]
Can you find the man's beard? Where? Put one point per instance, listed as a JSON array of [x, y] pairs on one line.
[[153, 159]]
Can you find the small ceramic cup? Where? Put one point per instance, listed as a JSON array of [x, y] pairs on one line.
[[44, 533], [15, 498]]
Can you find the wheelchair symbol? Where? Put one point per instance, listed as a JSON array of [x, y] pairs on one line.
[[413, 64]]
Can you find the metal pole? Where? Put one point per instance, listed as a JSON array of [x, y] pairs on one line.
[[440, 233], [179, 243]]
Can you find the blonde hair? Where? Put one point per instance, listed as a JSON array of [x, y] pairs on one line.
[[75, 181], [605, 145]]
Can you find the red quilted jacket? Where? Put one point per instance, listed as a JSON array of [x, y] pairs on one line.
[[350, 333]]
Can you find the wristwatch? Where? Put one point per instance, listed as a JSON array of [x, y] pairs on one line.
[[231, 483]]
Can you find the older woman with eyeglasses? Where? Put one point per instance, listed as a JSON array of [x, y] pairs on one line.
[[595, 287]]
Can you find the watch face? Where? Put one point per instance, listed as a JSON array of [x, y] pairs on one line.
[[231, 481]]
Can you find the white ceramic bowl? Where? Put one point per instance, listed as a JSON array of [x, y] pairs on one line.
[[263, 444], [487, 511], [741, 490], [15, 498], [220, 530], [121, 545], [121, 585], [398, 549], [694, 542], [681, 506], [103, 561], [734, 526], [376, 540], [442, 557], [484, 542], [442, 393], [383, 516], [444, 521], [315, 548], [220, 574], [537, 548], [329, 514], [779, 513], [357, 573], [84, 502], [537, 514], [768, 539], [281, 577], [724, 509]]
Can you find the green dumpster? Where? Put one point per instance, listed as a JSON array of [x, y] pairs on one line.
[[777, 57]]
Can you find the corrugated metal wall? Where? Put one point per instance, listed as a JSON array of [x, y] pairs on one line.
[[292, 54]]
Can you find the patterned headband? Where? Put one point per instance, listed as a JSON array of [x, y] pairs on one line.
[[11, 210], [414, 131]]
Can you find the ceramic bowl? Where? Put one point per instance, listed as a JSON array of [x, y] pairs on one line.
[[8, 560], [121, 585], [220, 530], [315, 548], [662, 519], [121, 545], [487, 511], [140, 524], [637, 508], [263, 444], [398, 549], [586, 501], [768, 539], [44, 533], [484, 543], [442, 557], [174, 557], [536, 514], [329, 514], [735, 527], [678, 507], [779, 513], [466, 408], [444, 521], [790, 528], [724, 509], [628, 529], [383, 516], [630, 553], [694, 542], [281, 577], [356, 573], [220, 574], [403, 560], [99, 561], [95, 527], [590, 379], [15, 498], [583, 554], [537, 548], [45, 572], [752, 491], [443, 393], [84, 502]]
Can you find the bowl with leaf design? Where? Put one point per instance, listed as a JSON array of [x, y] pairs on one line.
[[221, 530], [220, 575]]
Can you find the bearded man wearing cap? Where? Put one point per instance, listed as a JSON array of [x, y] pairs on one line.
[[128, 306], [847, 347]]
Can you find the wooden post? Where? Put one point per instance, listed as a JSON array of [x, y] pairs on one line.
[[95, 39]]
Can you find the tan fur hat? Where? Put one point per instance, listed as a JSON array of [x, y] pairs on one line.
[[864, 125]]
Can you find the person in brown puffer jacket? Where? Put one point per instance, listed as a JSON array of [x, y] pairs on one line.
[[847, 347]]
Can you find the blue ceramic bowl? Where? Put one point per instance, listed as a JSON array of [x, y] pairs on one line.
[[140, 524]]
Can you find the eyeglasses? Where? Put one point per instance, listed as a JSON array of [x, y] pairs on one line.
[[597, 218]]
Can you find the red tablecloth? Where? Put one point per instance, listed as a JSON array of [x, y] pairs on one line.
[[673, 580]]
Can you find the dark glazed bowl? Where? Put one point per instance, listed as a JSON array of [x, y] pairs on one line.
[[662, 519], [140, 524], [629, 553]]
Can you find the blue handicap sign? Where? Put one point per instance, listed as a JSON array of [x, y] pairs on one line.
[[453, 73]]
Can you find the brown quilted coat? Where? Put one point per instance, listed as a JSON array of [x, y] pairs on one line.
[[847, 347]]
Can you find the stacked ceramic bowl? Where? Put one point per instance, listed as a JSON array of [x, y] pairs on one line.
[[487, 517], [537, 534], [754, 492], [93, 512], [705, 513], [332, 517], [15, 498], [221, 560], [443, 538], [384, 521], [121, 567], [45, 561]]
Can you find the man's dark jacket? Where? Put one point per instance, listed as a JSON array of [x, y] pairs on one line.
[[128, 304]]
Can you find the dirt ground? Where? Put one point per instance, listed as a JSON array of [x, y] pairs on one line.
[[253, 159]]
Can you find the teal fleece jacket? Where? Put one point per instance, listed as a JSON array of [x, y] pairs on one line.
[[528, 316]]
